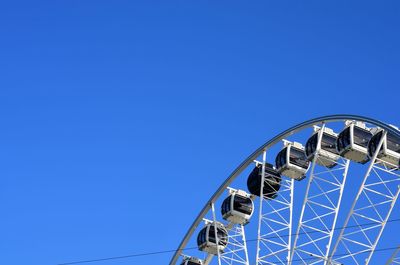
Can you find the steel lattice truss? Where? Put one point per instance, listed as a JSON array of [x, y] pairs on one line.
[[313, 237], [236, 250], [368, 216], [275, 225]]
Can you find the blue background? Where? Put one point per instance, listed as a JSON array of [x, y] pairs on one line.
[[119, 119]]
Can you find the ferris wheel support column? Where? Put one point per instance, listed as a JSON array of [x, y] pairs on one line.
[[328, 248], [383, 226], [292, 249], [216, 232], [245, 245], [275, 223], [264, 160], [320, 208], [236, 250], [340, 238], [373, 204]]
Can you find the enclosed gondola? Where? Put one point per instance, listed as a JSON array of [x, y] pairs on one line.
[[327, 153], [237, 207], [352, 142], [389, 154], [272, 181], [292, 161], [191, 261], [206, 240]]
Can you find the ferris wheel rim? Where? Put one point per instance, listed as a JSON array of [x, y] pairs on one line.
[[242, 166]]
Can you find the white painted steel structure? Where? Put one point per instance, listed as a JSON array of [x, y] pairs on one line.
[[275, 223], [319, 211], [321, 232]]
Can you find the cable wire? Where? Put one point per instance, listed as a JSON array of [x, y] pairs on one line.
[[126, 256], [249, 240]]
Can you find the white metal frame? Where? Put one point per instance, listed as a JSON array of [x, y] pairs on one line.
[[320, 209], [236, 250], [216, 233], [275, 223], [368, 187], [368, 215]]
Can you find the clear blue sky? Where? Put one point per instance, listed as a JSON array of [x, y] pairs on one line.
[[120, 118]]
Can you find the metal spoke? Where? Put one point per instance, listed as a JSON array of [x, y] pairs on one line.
[[319, 210], [374, 202], [275, 223]]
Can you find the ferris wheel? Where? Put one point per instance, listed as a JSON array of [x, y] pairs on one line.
[[321, 192]]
